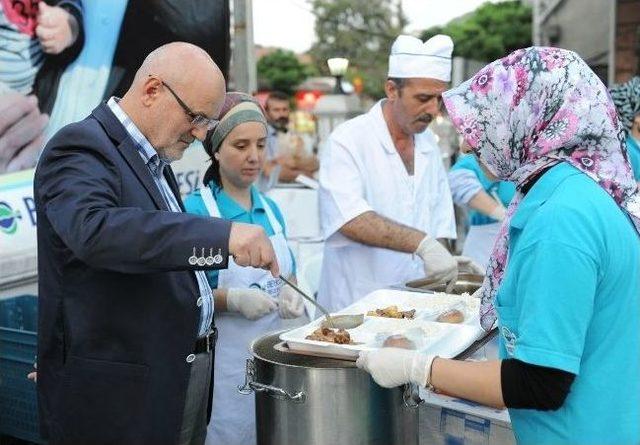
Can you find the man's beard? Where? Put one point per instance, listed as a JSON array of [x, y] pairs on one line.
[[281, 124], [169, 156]]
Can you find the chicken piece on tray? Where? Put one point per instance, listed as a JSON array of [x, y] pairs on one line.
[[451, 316], [339, 336], [392, 312]]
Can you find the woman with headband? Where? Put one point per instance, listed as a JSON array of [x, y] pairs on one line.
[[248, 302]]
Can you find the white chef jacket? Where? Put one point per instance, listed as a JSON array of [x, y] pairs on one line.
[[362, 171]]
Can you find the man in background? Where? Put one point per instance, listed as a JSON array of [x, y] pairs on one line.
[[286, 156]]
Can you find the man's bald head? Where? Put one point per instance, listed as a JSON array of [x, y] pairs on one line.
[[179, 62], [173, 73], [183, 66]]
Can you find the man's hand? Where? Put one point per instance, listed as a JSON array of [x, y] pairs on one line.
[[34, 375], [288, 169], [467, 265], [56, 30], [21, 131], [250, 246], [439, 264], [308, 164], [251, 303], [391, 367]]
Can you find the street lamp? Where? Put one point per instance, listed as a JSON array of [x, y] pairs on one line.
[[338, 68]]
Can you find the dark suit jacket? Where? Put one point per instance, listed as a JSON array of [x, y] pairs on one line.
[[117, 297]]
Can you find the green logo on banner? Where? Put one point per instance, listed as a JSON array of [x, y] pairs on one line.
[[8, 218]]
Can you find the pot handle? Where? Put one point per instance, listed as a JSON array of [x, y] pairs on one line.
[[411, 396], [250, 385], [278, 393]]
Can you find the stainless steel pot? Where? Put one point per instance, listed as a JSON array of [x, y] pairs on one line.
[[316, 401]]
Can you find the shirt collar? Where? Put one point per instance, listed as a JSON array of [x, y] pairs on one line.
[[540, 192], [146, 150], [233, 210]]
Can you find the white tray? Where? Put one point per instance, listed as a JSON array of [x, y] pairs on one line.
[[443, 339]]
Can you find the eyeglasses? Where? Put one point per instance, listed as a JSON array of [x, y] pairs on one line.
[[197, 120]]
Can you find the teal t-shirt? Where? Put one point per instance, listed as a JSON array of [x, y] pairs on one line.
[[633, 148], [231, 210], [570, 300], [503, 189]]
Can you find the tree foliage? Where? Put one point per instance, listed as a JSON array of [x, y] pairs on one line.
[[490, 32], [360, 30], [281, 70]]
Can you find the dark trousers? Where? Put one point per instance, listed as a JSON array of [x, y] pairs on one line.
[[194, 419]]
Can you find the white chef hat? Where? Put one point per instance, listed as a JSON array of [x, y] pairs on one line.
[[411, 58]]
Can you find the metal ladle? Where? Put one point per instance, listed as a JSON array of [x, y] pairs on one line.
[[336, 321]]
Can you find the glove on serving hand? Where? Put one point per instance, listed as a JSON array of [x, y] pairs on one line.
[[391, 367], [251, 303], [439, 264], [290, 303]]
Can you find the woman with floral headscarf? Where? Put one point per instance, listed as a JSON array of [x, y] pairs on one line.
[[248, 302], [563, 282]]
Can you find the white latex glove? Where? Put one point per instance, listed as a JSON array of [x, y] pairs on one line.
[[466, 264], [499, 212], [290, 303], [391, 367], [251, 303], [439, 264]]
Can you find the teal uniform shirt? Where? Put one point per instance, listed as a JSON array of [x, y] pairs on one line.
[[633, 148], [570, 300], [503, 189], [231, 210]]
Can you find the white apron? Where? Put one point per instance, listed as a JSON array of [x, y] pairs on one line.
[[480, 241], [233, 414]]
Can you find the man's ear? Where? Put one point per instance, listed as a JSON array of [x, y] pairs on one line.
[[391, 90], [151, 91]]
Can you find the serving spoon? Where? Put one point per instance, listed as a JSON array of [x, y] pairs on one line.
[[335, 321]]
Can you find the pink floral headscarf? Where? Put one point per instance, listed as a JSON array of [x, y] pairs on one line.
[[533, 109]]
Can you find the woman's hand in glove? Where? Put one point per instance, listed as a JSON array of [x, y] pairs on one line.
[[290, 303], [391, 367], [251, 303]]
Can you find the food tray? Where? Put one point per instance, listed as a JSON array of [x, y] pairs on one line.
[[443, 339], [427, 305]]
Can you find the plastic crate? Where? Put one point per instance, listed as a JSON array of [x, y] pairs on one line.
[[18, 342]]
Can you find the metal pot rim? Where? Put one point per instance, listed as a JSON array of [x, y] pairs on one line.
[[327, 363]]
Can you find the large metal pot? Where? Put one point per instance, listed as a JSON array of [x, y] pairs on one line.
[[315, 401]]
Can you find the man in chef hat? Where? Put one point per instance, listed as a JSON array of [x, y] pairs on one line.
[[384, 196]]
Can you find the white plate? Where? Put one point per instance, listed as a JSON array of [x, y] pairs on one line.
[[443, 339]]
